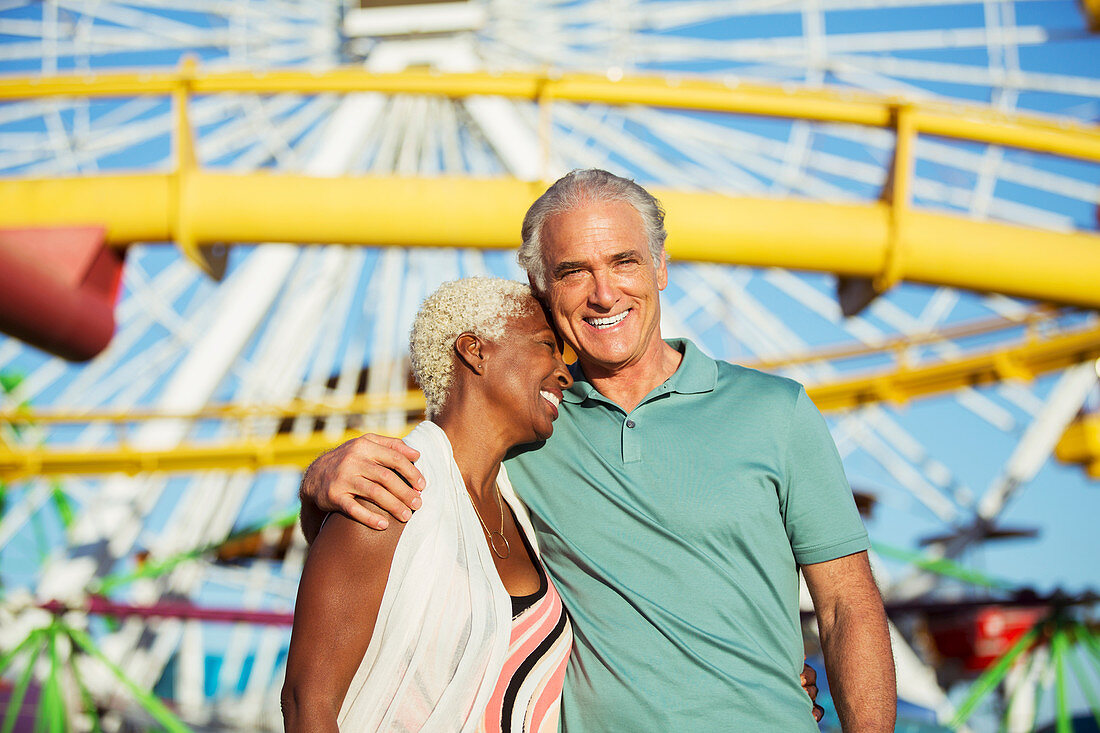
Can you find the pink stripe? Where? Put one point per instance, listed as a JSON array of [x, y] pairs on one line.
[[525, 646], [531, 615], [546, 614], [491, 719], [550, 695], [516, 655], [542, 702], [528, 632]]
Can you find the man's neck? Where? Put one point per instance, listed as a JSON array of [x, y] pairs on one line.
[[628, 385]]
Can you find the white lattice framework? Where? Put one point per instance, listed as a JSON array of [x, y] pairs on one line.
[[287, 322]]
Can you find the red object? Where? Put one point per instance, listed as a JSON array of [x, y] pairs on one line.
[[25, 717], [58, 287], [977, 637], [100, 606]]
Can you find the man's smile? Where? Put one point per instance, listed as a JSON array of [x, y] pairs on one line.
[[607, 321]]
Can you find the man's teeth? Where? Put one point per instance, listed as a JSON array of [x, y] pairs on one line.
[[608, 321], [550, 397]]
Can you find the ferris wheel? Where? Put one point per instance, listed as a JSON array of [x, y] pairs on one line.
[[810, 153]]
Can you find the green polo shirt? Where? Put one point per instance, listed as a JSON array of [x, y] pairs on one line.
[[674, 534]]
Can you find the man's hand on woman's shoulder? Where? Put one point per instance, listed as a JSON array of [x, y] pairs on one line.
[[370, 479]]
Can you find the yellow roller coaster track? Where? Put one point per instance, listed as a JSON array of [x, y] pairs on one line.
[[413, 401], [964, 122], [1092, 14], [885, 241], [1081, 443], [281, 450], [1033, 355]]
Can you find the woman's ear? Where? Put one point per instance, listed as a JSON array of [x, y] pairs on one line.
[[470, 351]]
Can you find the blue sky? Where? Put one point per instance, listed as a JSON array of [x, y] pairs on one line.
[[1061, 499], [1061, 502]]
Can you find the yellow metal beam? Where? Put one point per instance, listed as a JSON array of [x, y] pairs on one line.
[[1091, 9], [1021, 361], [412, 401], [110, 199], [847, 239], [899, 344], [281, 450], [196, 208], [1031, 357], [1064, 137], [1081, 444]]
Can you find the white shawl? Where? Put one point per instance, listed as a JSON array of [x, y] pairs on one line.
[[445, 622]]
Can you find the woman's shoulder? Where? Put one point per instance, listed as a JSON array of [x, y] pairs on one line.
[[341, 535], [344, 538], [436, 462], [432, 444]]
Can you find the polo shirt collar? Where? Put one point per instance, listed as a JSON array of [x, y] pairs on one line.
[[696, 374]]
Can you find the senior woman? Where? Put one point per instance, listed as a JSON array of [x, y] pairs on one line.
[[449, 622]]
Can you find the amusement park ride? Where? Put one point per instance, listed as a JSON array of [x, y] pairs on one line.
[[893, 202]]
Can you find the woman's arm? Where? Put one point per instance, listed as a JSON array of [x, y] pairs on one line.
[[339, 596]]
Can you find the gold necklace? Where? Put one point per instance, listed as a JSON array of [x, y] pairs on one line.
[[491, 534]]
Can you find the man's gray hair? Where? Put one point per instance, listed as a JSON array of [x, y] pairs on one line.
[[480, 305], [575, 190]]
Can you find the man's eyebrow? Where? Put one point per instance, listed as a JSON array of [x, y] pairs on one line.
[[629, 254], [566, 266]]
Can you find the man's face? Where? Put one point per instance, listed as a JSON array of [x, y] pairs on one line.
[[603, 284]]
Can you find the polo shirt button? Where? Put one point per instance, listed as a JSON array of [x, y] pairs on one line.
[[630, 423]]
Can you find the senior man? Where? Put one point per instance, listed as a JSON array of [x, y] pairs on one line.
[[674, 504]]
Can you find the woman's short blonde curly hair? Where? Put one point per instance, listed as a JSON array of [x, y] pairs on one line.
[[480, 305]]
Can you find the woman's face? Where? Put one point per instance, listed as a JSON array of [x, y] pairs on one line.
[[526, 375]]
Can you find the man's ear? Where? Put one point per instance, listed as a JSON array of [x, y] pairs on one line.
[[662, 271], [470, 350], [534, 287]]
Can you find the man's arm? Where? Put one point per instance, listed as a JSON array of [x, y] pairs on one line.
[[375, 468], [856, 642]]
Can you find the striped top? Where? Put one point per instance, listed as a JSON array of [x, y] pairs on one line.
[[527, 698]]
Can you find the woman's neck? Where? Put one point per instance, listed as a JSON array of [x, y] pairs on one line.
[[477, 444]]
